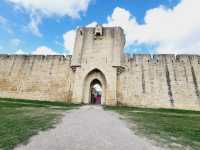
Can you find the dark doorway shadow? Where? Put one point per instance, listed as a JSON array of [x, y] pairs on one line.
[[95, 92]]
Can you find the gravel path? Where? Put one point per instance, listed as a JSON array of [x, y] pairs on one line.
[[89, 128]]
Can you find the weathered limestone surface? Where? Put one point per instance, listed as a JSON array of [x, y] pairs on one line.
[[36, 77], [166, 81], [161, 81]]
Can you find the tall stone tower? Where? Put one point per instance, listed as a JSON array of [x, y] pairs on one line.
[[98, 56]]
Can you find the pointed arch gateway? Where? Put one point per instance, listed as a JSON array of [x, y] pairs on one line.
[[94, 77]]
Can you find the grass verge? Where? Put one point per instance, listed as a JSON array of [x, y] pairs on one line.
[[21, 119], [175, 129]]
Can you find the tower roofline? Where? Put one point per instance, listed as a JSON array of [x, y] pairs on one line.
[[104, 27]]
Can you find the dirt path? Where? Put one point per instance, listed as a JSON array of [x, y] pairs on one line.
[[89, 128]]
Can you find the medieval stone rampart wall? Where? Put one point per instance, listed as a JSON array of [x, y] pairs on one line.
[[36, 77], [166, 81], [160, 81]]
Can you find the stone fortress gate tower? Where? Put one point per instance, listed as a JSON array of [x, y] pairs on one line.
[[142, 80], [98, 56]]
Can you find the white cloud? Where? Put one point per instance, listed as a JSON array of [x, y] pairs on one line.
[[20, 52], [43, 50], [123, 18], [71, 8], [173, 30], [69, 39], [33, 25], [46, 8]]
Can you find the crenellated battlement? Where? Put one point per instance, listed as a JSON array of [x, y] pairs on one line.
[[128, 57], [35, 56], [137, 58]]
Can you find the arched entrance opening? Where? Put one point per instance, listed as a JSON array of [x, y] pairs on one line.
[[95, 92], [94, 89]]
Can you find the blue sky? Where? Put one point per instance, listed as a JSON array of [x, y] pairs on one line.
[[151, 26]]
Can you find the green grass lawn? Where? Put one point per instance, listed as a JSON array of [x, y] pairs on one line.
[[21, 119], [175, 129]]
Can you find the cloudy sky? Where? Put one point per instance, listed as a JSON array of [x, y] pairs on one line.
[[48, 26]]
